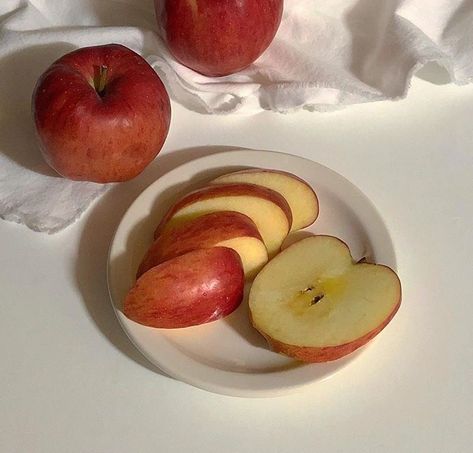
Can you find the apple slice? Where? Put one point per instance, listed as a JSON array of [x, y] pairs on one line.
[[313, 303], [265, 207], [191, 289], [298, 193], [223, 228]]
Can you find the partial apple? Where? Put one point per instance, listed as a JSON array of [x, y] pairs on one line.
[[265, 207], [298, 193], [219, 37], [225, 229], [101, 113], [313, 303], [195, 288]]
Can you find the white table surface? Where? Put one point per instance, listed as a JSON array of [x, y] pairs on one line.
[[71, 381]]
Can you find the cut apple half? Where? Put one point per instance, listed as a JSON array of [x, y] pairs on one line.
[[313, 303], [195, 288], [298, 193], [265, 207], [223, 228]]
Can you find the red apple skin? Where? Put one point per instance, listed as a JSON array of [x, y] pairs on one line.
[[202, 232], [199, 287], [312, 354], [102, 138], [236, 189], [220, 37]]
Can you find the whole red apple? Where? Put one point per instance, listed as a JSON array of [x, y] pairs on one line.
[[101, 113], [219, 37]]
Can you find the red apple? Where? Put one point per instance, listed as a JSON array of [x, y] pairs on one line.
[[219, 37], [101, 114], [222, 228], [191, 289], [266, 208]]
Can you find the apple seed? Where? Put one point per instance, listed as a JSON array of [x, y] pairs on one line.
[[316, 299]]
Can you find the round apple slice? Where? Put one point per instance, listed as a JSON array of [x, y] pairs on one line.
[[265, 207], [191, 289], [313, 303], [225, 229], [298, 193]]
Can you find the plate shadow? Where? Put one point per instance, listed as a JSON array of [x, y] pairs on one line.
[[97, 234], [19, 72]]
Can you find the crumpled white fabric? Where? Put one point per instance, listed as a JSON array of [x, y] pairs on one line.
[[331, 53], [327, 54]]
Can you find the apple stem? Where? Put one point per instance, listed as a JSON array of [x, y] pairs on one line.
[[101, 79]]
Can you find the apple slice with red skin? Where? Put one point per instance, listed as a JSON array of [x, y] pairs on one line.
[[265, 207], [315, 304], [101, 114], [225, 229], [195, 288], [298, 193], [219, 37]]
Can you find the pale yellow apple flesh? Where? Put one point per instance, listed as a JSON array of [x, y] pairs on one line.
[[252, 252], [266, 208], [298, 193], [268, 217], [312, 302], [223, 228]]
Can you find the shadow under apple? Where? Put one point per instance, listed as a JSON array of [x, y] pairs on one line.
[[239, 321], [19, 72]]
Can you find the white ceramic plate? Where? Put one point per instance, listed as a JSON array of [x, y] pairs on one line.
[[228, 356]]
